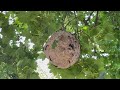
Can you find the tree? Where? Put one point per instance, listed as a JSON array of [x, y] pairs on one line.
[[97, 31]]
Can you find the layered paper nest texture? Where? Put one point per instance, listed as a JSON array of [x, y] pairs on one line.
[[62, 49]]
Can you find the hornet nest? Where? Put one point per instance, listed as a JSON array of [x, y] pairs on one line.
[[62, 49]]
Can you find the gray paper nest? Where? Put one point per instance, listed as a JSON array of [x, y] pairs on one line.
[[62, 49]]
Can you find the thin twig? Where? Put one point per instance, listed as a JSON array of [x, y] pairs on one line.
[[87, 35], [76, 31], [63, 19], [35, 34], [69, 21], [62, 22]]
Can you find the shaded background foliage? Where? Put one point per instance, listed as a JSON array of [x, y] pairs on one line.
[[97, 31]]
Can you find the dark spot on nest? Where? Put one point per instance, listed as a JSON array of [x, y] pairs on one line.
[[46, 47], [50, 58], [72, 54], [55, 66], [71, 45], [69, 61], [68, 36], [69, 48]]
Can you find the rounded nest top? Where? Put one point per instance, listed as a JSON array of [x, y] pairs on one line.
[[62, 49]]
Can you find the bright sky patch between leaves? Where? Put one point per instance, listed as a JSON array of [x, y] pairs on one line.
[[43, 70]]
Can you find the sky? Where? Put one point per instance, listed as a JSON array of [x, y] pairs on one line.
[[43, 70]]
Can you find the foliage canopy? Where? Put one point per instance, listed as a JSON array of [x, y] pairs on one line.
[[97, 31]]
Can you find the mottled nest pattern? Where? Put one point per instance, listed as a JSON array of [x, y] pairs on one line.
[[62, 49]]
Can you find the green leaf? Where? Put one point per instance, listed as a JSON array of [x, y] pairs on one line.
[[42, 56], [104, 38], [85, 28], [54, 44]]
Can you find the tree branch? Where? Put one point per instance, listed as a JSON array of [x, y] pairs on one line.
[[96, 20], [88, 19]]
